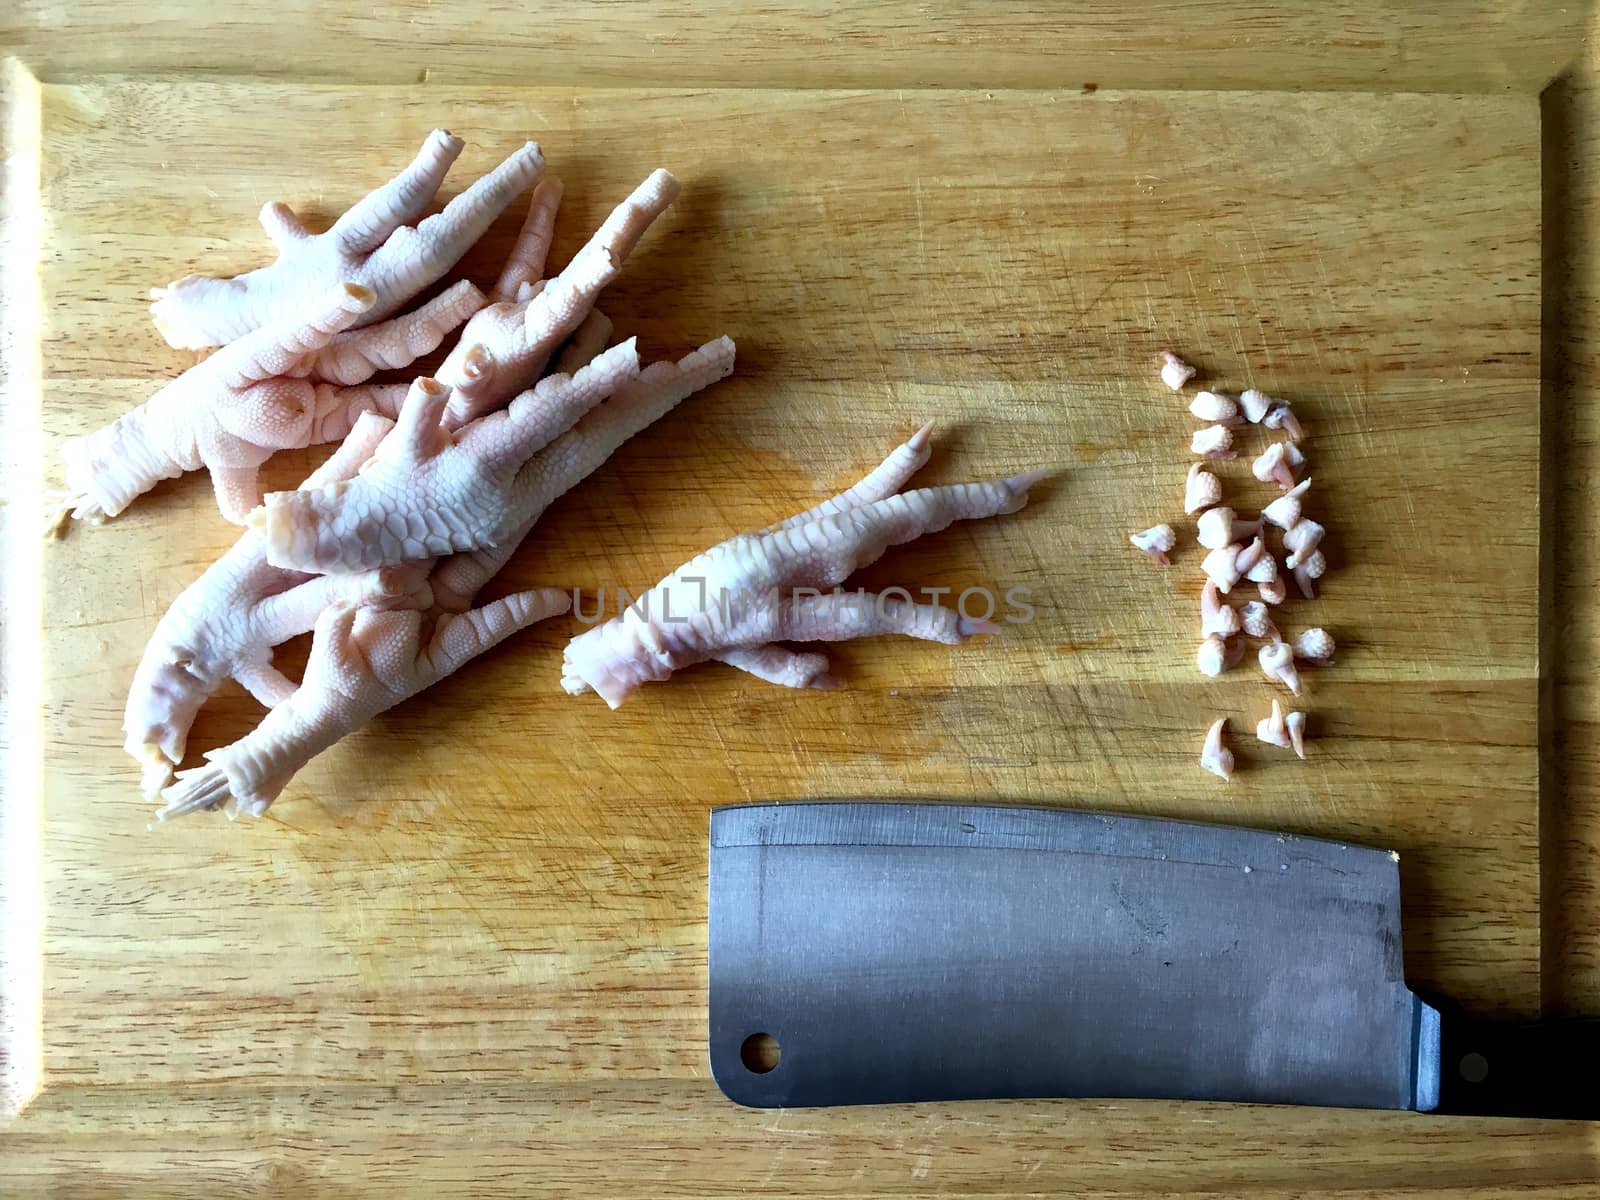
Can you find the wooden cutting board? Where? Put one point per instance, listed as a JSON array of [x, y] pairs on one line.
[[497, 886]]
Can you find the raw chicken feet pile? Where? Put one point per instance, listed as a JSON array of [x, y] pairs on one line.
[[436, 482], [226, 624], [296, 369]]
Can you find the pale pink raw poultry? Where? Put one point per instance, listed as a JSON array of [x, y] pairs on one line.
[[744, 594], [285, 386], [363, 661], [577, 454], [1214, 407], [374, 244], [1201, 490], [428, 492], [1217, 616], [1214, 529], [1214, 755], [1222, 566], [530, 319], [1286, 730], [460, 486], [227, 622], [1214, 441], [1156, 541], [1277, 663], [1301, 540], [1257, 620], [1277, 464], [1174, 371], [1284, 512], [168, 699], [1308, 572], [1315, 646], [454, 581]]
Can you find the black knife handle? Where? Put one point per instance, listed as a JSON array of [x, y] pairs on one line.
[[1511, 1069]]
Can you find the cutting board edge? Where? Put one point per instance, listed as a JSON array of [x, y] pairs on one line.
[[21, 519]]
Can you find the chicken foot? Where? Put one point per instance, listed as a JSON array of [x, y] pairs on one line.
[[381, 243], [530, 318], [363, 661], [430, 493], [227, 622], [291, 384], [736, 599]]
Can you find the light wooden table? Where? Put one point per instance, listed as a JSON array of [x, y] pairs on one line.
[[258, 1126]]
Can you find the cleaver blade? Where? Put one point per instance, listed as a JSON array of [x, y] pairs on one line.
[[884, 952]]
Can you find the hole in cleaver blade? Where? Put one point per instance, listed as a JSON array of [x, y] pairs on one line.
[[878, 952]]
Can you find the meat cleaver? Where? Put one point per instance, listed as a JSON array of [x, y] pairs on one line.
[[873, 952]]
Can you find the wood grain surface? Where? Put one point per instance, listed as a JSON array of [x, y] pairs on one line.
[[467, 954], [1571, 131], [1365, 45]]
